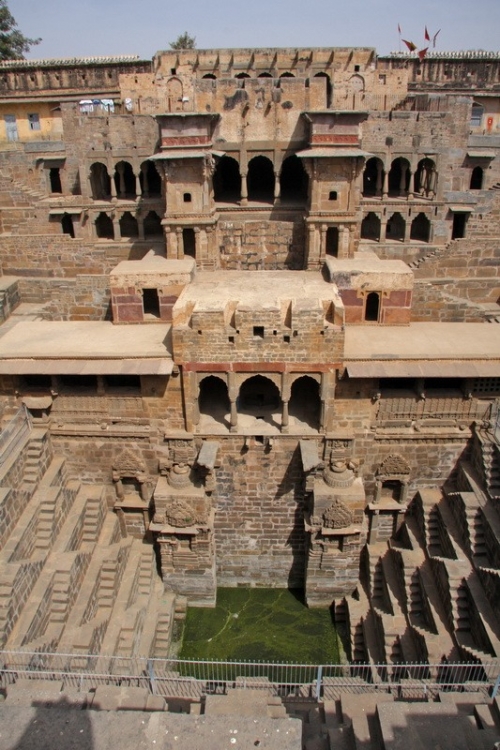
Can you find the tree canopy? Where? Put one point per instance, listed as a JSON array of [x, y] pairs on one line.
[[183, 41], [13, 43]]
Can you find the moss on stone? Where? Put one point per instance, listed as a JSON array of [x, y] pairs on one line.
[[260, 624]]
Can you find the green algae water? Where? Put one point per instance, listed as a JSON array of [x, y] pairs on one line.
[[260, 625]]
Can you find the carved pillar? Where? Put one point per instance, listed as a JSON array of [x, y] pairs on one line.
[[277, 187], [285, 398], [344, 237], [432, 183], [113, 186], [322, 242], [383, 228], [411, 185], [244, 189], [233, 395], [118, 485], [180, 243], [407, 229], [116, 227], [385, 185], [138, 190]]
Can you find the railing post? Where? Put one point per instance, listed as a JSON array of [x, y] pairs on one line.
[[319, 680], [152, 678]]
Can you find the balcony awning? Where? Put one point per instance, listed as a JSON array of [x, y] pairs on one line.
[[477, 154], [423, 369], [86, 366]]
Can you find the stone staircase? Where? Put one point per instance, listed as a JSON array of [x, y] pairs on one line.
[[70, 581]]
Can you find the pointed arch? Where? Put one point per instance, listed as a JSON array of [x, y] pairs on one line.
[[294, 181]]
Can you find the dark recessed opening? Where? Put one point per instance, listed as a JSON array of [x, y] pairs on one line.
[[151, 302], [258, 331], [187, 197], [332, 195]]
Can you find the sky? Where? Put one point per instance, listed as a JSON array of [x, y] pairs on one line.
[[81, 28]]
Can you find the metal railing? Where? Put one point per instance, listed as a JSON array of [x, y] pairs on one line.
[[195, 678]]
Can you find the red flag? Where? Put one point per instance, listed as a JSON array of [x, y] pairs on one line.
[[412, 47], [426, 35], [422, 53], [434, 38]]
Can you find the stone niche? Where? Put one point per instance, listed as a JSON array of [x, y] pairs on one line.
[[133, 493], [386, 513], [183, 522], [333, 522], [145, 291]]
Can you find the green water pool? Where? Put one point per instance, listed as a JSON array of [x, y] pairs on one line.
[[260, 624]]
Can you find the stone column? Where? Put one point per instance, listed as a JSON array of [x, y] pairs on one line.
[[244, 189], [116, 227], [277, 187], [180, 244], [113, 187], [407, 228], [383, 228], [385, 185], [432, 183], [233, 395], [411, 185], [284, 418], [322, 243], [138, 190], [344, 237]]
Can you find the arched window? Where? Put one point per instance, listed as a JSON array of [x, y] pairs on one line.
[[287, 74], [210, 76], [396, 228], [265, 74], [370, 227], [260, 180], [476, 179], [227, 180], [305, 404], [213, 400], [260, 398], [104, 227], [125, 180], [399, 177], [294, 182], [67, 225], [242, 75], [373, 177], [425, 178], [150, 180], [372, 307], [128, 225], [420, 228], [152, 225], [100, 184]]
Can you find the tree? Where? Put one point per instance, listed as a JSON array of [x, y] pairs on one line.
[[12, 42], [183, 41]]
